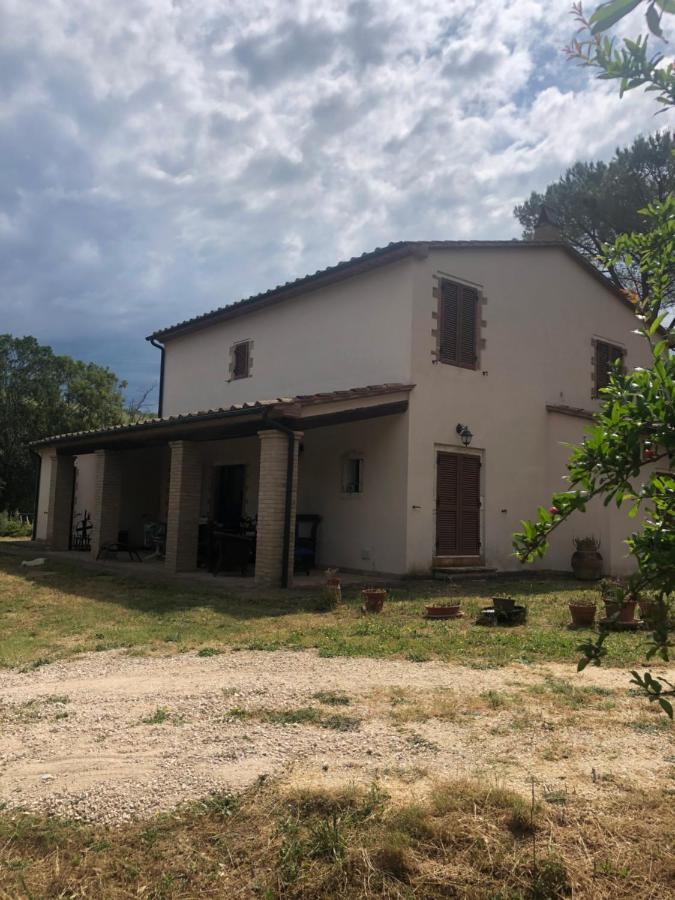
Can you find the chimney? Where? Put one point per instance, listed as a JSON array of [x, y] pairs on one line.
[[547, 228]]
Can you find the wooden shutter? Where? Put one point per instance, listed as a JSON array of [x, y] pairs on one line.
[[447, 504], [458, 310], [240, 362], [469, 511], [449, 323], [467, 331], [457, 505]]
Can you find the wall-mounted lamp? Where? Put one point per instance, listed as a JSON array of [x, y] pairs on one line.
[[465, 433]]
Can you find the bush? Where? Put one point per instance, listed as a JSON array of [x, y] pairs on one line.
[[14, 525]]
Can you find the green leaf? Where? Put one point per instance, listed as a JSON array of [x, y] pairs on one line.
[[666, 706], [654, 21], [608, 14]]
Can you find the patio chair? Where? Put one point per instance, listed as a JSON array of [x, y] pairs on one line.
[[306, 528]]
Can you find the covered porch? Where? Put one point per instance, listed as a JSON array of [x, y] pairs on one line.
[[239, 490]]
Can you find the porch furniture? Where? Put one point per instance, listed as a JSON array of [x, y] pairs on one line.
[[112, 548], [154, 534], [306, 528], [81, 536], [230, 550]]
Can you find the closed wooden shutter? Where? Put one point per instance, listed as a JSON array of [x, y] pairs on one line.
[[447, 504], [606, 356], [458, 325], [469, 518], [457, 505]]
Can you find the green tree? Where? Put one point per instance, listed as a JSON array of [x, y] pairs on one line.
[[595, 202], [629, 456], [43, 394]]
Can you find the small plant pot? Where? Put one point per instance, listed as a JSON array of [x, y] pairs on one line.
[[503, 605], [620, 612], [583, 616], [443, 612], [373, 599]]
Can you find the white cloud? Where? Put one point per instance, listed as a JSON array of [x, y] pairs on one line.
[[161, 157]]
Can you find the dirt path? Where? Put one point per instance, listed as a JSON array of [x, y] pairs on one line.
[[112, 737]]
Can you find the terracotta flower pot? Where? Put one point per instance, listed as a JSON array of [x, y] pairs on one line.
[[583, 615], [625, 612], [442, 612], [373, 599]]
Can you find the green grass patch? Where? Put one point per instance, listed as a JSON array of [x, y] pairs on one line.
[[64, 609]]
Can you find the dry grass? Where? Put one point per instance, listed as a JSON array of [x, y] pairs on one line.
[[457, 839]]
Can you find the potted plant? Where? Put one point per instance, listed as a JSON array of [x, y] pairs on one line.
[[582, 610], [620, 603], [333, 587], [586, 560], [373, 599], [442, 610]]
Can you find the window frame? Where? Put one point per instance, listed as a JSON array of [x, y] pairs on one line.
[[233, 360], [619, 353], [346, 460]]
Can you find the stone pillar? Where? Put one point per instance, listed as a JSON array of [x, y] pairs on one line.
[[105, 516], [60, 509], [272, 507], [182, 520]]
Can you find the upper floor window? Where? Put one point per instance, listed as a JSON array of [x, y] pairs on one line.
[[240, 360], [458, 325], [606, 357]]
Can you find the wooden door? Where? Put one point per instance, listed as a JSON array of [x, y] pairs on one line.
[[457, 505]]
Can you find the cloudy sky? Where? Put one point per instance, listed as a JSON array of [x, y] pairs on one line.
[[163, 157]]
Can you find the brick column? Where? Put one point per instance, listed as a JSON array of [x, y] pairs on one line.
[[105, 516], [272, 507], [182, 520], [59, 511]]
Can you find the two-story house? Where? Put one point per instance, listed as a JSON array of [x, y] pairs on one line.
[[417, 398]]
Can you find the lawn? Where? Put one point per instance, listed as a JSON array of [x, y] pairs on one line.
[[61, 610]]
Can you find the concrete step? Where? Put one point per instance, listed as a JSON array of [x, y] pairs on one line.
[[450, 573]]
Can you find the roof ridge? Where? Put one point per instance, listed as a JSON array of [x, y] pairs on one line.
[[355, 265]]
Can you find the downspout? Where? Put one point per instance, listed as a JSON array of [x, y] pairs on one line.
[[160, 402], [36, 502], [290, 459]]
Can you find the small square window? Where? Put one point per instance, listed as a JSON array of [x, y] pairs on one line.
[[240, 363], [352, 475]]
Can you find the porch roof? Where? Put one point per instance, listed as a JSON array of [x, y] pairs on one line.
[[241, 419]]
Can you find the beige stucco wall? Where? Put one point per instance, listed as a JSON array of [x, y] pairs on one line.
[[354, 333], [541, 314], [358, 531]]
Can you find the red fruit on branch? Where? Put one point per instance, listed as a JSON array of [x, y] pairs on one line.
[[553, 510]]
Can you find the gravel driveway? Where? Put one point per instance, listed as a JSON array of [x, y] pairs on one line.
[[112, 737]]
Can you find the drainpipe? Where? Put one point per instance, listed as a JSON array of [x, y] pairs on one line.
[[36, 502], [285, 574], [160, 402]]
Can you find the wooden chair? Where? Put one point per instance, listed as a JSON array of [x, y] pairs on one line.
[[306, 528]]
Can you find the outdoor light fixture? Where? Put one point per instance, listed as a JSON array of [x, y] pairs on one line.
[[465, 433]]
